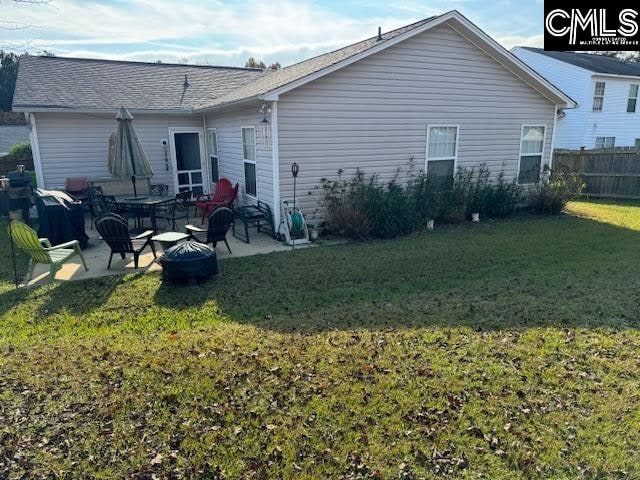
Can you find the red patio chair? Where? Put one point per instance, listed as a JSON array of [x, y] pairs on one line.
[[224, 196]]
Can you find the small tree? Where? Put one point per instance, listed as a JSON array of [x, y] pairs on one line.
[[8, 75], [253, 63]]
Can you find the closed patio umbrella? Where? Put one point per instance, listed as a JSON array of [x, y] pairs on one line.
[[129, 159]]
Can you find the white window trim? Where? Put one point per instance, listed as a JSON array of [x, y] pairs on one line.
[[633, 98], [210, 154], [254, 162], [435, 159], [595, 95], [544, 140], [604, 141]]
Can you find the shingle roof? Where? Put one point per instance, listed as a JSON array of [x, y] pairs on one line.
[[594, 63], [56, 82], [279, 78]]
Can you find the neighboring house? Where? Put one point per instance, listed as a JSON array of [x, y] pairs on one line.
[[605, 89], [439, 91], [13, 129]]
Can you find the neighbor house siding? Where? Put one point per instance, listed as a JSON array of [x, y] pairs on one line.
[[76, 145], [374, 113], [580, 126], [228, 125], [575, 82], [613, 120]]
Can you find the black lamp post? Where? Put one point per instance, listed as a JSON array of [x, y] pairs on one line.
[[294, 171]]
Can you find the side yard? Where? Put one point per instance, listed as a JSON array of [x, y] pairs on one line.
[[506, 349]]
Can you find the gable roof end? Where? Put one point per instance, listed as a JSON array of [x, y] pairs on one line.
[[275, 83]]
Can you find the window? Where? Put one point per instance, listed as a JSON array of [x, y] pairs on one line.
[[598, 97], [633, 98], [249, 155], [213, 155], [442, 151], [531, 147], [605, 142], [637, 143]]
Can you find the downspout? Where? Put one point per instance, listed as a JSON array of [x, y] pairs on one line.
[[275, 157], [35, 151], [553, 135], [206, 156]]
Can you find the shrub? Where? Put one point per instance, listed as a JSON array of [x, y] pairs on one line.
[[365, 205], [20, 150], [500, 198], [551, 197]]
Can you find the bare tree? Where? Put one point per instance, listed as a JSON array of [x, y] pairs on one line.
[[13, 25]]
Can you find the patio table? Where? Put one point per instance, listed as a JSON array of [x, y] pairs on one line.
[[143, 204], [169, 239]]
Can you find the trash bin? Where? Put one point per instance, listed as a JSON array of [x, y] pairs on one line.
[[189, 262]]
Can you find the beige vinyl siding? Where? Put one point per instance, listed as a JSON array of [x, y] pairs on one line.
[[374, 113], [76, 145], [228, 125]]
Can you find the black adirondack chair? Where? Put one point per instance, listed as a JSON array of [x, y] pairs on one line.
[[115, 231], [220, 221]]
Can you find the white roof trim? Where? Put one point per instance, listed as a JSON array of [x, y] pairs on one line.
[[503, 56], [615, 75]]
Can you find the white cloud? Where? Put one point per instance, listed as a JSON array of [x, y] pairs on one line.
[[215, 31], [165, 29]]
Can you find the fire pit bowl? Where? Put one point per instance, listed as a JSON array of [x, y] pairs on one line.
[[189, 262]]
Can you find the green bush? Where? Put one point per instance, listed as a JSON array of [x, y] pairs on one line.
[[20, 150], [550, 198], [366, 206]]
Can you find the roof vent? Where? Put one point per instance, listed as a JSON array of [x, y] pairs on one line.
[[379, 34]]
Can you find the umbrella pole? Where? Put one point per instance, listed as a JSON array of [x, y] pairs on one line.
[[13, 253], [135, 191]]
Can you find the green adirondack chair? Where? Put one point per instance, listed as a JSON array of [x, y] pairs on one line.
[[41, 251]]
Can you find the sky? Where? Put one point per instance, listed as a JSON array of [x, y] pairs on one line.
[[219, 32]]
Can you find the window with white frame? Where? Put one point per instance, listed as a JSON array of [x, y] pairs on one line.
[[598, 97], [442, 152], [605, 142], [213, 155], [531, 148], [249, 156], [633, 98]]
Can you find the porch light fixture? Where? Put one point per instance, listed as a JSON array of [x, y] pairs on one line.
[[264, 110]]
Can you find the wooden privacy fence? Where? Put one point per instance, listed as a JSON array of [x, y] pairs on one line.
[[612, 173], [9, 163]]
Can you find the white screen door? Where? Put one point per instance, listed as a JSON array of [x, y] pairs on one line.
[[188, 156]]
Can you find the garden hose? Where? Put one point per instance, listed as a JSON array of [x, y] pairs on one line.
[[297, 223]]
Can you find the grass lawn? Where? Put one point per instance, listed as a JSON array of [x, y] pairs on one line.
[[500, 350]]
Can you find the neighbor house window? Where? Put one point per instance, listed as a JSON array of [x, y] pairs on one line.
[[605, 142], [531, 147], [442, 152], [213, 156], [633, 98], [598, 97], [249, 155]]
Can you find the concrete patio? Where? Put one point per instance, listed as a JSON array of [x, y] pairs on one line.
[[97, 256]]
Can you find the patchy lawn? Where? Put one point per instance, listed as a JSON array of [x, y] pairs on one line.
[[508, 349]]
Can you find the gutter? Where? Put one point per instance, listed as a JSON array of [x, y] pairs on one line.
[[101, 111]]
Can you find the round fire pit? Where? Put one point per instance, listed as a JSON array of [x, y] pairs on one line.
[[189, 262]]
